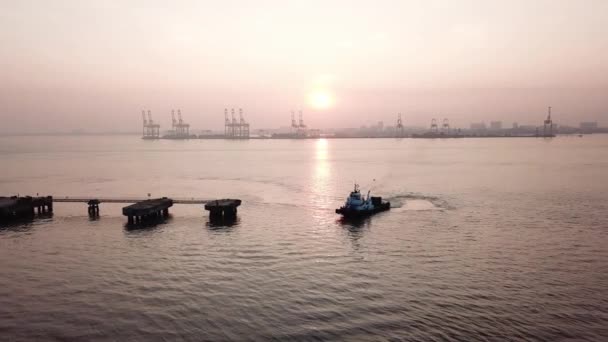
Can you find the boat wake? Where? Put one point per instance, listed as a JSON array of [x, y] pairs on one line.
[[417, 202]]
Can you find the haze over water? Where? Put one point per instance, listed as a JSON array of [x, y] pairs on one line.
[[488, 239], [94, 65]]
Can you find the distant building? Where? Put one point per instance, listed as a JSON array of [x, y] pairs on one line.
[[496, 125], [588, 127], [528, 128], [314, 133], [515, 125], [478, 126]]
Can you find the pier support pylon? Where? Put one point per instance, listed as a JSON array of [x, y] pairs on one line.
[[93, 207], [49, 203]]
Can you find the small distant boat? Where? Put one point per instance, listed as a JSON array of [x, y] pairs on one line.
[[359, 206]]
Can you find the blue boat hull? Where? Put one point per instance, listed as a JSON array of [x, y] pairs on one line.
[[346, 212]]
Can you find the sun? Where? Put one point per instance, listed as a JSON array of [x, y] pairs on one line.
[[320, 99]]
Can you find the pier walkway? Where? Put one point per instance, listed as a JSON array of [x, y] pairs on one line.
[[86, 199]]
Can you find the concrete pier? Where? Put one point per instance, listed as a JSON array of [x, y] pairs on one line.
[[222, 208], [141, 210], [148, 209], [20, 207]]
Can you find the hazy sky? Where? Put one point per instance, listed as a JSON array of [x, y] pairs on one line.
[[96, 64]]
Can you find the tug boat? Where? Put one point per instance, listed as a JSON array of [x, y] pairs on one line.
[[359, 206]]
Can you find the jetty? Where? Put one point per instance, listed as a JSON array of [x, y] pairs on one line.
[[223, 208], [17, 207], [138, 210], [148, 209]]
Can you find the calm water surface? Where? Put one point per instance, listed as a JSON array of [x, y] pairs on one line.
[[490, 240]]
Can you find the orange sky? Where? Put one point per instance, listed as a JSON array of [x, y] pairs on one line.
[[96, 64]]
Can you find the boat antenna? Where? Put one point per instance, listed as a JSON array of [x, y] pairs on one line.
[[370, 185]]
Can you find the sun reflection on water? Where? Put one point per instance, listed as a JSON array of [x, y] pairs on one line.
[[322, 180]]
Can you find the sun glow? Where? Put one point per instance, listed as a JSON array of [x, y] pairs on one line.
[[321, 99]]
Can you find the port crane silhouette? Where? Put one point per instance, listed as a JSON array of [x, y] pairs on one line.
[[399, 127]]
